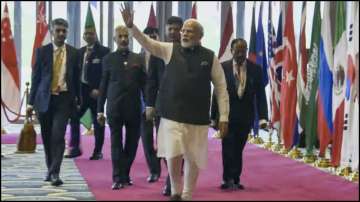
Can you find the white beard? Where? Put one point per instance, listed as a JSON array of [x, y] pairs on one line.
[[186, 44]]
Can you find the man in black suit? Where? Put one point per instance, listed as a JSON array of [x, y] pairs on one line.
[[90, 60], [244, 82], [54, 94], [122, 81], [155, 75], [147, 125]]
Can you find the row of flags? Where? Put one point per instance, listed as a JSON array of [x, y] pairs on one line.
[[314, 91]]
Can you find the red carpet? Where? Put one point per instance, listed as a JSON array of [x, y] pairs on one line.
[[266, 176]]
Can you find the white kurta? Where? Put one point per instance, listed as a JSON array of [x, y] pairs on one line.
[[175, 138], [190, 140]]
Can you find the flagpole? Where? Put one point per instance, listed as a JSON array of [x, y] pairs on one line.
[[101, 22]]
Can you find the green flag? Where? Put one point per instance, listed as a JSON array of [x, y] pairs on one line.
[[309, 98], [89, 22], [86, 119]]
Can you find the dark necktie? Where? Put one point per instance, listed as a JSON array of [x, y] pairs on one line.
[[86, 63], [237, 77]]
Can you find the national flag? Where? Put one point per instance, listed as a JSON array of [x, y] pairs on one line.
[[86, 119], [262, 62], [275, 53], [194, 11], [10, 77], [350, 143], [252, 45], [275, 116], [89, 21], [288, 84], [355, 95], [309, 96], [227, 37], [152, 18], [260, 48], [339, 70], [42, 36], [325, 125], [303, 60], [302, 70]]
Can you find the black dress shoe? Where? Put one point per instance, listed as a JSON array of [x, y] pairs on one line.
[[117, 185], [239, 186], [153, 178], [96, 156], [56, 181], [128, 182], [73, 153], [227, 184], [166, 191], [175, 197]]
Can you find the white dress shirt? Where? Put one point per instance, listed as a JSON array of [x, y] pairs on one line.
[[241, 77]]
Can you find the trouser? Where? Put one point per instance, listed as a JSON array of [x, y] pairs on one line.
[[53, 124], [122, 156], [147, 131], [87, 103], [232, 151], [190, 176]]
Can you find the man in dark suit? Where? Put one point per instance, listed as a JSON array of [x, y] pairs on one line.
[[244, 82], [147, 125], [155, 75], [54, 94], [122, 81], [90, 60]]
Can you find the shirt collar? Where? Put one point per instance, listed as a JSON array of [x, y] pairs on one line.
[[243, 64], [90, 47], [55, 47], [234, 66]]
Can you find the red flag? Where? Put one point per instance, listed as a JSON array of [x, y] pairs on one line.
[[193, 11], [225, 47], [42, 36], [10, 79], [252, 46], [288, 83], [152, 19]]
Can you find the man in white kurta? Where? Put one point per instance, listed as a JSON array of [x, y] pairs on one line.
[[181, 135]]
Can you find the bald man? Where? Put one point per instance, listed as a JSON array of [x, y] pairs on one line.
[[184, 97], [122, 81]]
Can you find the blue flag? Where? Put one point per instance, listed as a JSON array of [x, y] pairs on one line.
[[260, 48], [262, 61]]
